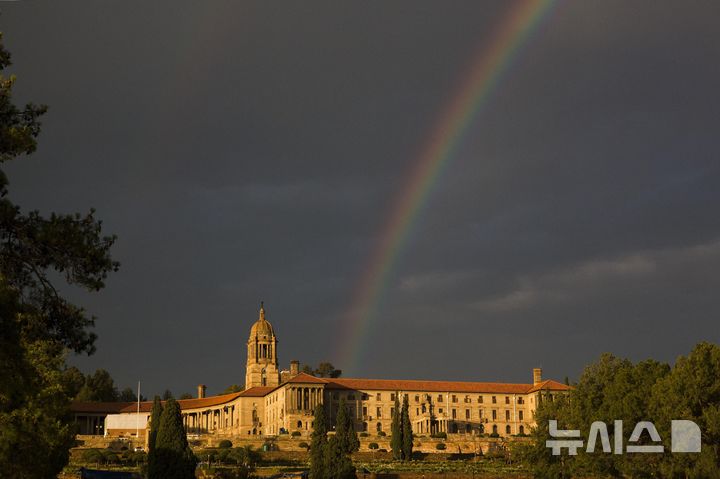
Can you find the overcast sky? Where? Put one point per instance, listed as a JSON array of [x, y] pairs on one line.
[[252, 151]]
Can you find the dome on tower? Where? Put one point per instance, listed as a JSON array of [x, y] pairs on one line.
[[262, 327]]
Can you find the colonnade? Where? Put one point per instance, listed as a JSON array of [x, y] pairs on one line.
[[216, 419], [303, 398]]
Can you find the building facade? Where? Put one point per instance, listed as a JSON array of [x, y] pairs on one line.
[[277, 402]]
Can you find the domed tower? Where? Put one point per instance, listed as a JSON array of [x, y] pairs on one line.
[[262, 360]]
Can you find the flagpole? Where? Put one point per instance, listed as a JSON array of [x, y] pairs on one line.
[[137, 417]]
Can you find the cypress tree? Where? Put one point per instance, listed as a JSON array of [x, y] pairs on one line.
[[157, 411], [345, 430], [338, 462], [396, 430], [407, 434], [318, 444], [173, 457]]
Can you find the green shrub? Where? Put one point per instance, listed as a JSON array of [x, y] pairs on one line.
[[440, 446], [494, 434], [363, 434], [92, 456], [225, 444], [439, 435], [296, 434], [373, 445], [304, 445], [382, 433], [223, 455]]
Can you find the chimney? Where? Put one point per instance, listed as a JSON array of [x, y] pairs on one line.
[[537, 376], [294, 368], [201, 391]]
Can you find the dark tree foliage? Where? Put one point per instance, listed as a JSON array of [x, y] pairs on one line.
[[396, 442], [37, 324], [617, 389], [691, 391], [338, 462], [407, 434], [98, 387], [318, 444], [345, 430], [327, 370], [127, 395], [167, 395], [324, 370], [186, 396], [173, 457], [155, 416], [73, 380]]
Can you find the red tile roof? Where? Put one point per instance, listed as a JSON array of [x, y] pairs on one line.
[[306, 379], [99, 407], [146, 406], [257, 391], [441, 386], [549, 385], [330, 383]]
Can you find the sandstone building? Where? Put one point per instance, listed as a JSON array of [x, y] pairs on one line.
[[277, 402]]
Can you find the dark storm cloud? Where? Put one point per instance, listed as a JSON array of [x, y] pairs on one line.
[[251, 151]]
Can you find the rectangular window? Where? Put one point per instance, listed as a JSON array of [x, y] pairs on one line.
[[379, 412], [378, 397], [417, 398], [440, 398], [520, 415], [454, 398], [507, 399], [440, 411], [392, 396], [417, 411], [494, 399], [507, 415], [467, 414], [480, 413], [480, 399], [494, 414], [454, 413]]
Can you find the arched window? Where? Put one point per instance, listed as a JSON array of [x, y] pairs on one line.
[[379, 426], [522, 429], [507, 429], [494, 428], [299, 424]]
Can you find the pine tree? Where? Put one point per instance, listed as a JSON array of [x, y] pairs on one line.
[[396, 441], [173, 457], [407, 434], [155, 416], [345, 430], [318, 444]]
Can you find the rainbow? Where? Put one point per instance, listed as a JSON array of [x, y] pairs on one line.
[[483, 78]]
